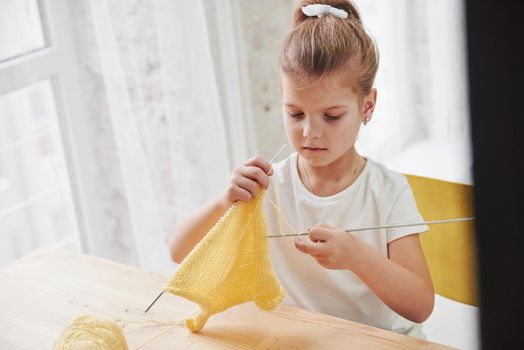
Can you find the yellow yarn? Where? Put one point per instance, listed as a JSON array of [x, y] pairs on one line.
[[89, 333], [229, 266]]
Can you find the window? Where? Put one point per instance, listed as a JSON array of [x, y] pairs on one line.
[[23, 19], [36, 196]]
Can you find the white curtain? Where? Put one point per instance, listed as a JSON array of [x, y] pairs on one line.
[[159, 130]]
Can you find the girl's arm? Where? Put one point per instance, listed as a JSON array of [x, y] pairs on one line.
[[401, 281], [190, 231], [243, 186]]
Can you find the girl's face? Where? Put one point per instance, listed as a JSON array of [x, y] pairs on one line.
[[322, 119]]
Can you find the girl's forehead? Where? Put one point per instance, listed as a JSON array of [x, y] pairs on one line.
[[329, 90]]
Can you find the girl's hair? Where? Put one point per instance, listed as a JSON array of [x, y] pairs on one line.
[[317, 46]]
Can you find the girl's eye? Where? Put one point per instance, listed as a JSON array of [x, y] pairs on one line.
[[296, 115], [332, 117]]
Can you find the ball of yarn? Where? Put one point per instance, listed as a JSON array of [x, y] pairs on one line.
[[87, 332]]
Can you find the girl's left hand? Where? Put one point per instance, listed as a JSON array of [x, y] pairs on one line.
[[332, 248]]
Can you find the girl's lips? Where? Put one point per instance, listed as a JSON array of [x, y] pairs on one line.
[[314, 149]]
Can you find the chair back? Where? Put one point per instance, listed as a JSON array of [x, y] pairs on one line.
[[449, 248]]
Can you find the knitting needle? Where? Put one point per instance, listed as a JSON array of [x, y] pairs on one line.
[[276, 154], [162, 292], [154, 301], [433, 222]]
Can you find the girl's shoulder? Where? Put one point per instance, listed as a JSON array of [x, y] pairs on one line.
[[384, 180], [382, 173]]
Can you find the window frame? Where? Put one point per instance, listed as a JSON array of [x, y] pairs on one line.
[[57, 62]]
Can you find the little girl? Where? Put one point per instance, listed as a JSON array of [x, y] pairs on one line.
[[377, 277]]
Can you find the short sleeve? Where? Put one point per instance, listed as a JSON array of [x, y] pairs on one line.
[[404, 211]]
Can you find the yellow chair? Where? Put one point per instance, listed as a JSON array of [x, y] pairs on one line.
[[449, 248]]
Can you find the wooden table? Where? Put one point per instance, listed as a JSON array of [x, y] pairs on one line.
[[43, 292]]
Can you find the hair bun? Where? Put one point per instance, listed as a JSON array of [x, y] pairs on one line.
[[330, 39], [342, 5]]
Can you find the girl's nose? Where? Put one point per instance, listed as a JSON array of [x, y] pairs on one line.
[[311, 129]]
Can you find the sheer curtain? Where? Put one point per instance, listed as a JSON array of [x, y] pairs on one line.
[[158, 127]]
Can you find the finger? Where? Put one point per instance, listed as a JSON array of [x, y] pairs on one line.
[[247, 184], [241, 194], [321, 261], [302, 246], [319, 233], [255, 173], [308, 247], [260, 162]]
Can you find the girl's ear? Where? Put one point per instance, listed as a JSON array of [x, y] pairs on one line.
[[368, 105]]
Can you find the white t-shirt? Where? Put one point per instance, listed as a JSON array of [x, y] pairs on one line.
[[378, 197]]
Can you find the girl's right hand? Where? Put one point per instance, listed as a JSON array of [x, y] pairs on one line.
[[246, 180]]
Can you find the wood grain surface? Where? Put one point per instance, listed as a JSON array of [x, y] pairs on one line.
[[43, 292]]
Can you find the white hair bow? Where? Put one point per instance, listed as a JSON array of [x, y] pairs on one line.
[[320, 10]]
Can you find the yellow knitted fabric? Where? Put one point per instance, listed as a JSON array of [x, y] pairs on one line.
[[89, 333], [229, 266]]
